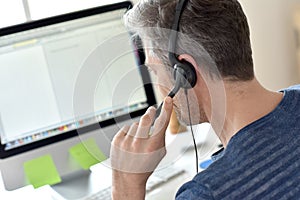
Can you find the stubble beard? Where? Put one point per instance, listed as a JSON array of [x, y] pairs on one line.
[[198, 115]]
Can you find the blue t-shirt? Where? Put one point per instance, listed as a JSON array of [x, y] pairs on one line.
[[261, 161]]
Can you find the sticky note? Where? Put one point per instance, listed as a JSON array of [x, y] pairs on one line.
[[87, 153], [41, 171]]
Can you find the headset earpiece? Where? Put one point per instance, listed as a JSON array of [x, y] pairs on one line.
[[185, 74]]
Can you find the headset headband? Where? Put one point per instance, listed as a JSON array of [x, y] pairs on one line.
[[174, 31]]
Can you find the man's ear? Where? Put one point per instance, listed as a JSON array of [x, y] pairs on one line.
[[189, 59], [193, 62]]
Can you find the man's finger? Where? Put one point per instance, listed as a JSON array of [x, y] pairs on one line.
[[145, 123], [120, 135], [161, 123], [132, 130]]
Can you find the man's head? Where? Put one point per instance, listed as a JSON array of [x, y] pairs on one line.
[[214, 33], [219, 26]]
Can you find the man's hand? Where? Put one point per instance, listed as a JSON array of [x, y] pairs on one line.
[[136, 151]]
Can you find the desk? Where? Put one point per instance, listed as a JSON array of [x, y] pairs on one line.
[[179, 153]]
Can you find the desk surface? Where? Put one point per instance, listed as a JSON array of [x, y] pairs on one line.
[[180, 153]]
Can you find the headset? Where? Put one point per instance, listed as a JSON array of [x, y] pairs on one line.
[[184, 72]]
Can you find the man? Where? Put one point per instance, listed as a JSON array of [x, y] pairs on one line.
[[259, 129]]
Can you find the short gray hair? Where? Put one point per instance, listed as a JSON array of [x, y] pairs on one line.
[[214, 28]]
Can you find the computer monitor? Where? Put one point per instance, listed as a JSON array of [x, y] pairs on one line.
[[63, 80]]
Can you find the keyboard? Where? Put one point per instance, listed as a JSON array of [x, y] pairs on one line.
[[156, 179], [162, 176]]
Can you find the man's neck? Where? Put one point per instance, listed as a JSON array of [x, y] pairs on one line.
[[245, 103]]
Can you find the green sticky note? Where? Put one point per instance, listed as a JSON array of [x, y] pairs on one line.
[[87, 153], [41, 171]]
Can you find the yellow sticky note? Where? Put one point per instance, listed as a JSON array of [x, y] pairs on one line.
[[41, 171], [87, 153]]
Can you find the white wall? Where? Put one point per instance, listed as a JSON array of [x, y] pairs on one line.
[[273, 41]]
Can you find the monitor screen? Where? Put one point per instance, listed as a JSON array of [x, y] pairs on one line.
[[68, 75]]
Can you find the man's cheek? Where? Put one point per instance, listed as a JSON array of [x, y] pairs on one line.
[[164, 87], [166, 84], [163, 91]]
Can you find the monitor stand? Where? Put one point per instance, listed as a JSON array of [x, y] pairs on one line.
[[76, 186]]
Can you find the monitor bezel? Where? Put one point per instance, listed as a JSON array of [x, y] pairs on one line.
[[73, 133]]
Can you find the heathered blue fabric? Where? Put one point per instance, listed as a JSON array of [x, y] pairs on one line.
[[261, 161]]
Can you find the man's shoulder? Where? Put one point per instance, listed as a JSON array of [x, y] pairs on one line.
[[202, 186], [195, 189]]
